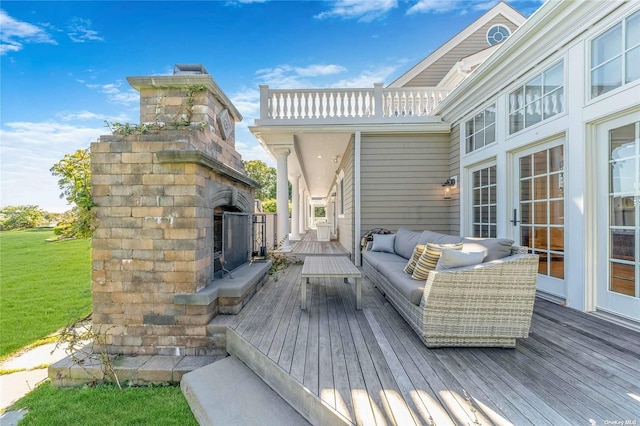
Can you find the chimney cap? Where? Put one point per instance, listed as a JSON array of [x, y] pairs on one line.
[[189, 69]]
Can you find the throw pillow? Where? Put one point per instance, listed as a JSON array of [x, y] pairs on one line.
[[417, 251], [429, 259], [383, 242], [457, 258]]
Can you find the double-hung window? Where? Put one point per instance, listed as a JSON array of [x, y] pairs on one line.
[[615, 56], [538, 99], [481, 129]]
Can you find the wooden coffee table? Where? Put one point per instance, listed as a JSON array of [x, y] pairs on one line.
[[330, 266]]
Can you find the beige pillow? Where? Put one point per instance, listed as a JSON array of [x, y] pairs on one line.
[[429, 259], [417, 251]]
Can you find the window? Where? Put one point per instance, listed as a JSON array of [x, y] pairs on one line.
[[615, 55], [481, 129], [483, 190], [497, 34], [538, 99]]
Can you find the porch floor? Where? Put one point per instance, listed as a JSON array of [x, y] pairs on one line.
[[370, 368], [310, 246]]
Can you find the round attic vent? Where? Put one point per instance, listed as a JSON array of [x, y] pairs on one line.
[[497, 34]]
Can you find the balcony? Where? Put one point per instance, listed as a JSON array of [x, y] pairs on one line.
[[349, 106]]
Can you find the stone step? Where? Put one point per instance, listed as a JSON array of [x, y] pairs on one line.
[[227, 392], [309, 405], [135, 370]]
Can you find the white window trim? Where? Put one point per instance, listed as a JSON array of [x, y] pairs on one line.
[[587, 46], [463, 128], [466, 221]]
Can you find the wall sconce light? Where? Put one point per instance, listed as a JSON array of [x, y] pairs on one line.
[[448, 184]]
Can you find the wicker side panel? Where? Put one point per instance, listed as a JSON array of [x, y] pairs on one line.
[[487, 303]]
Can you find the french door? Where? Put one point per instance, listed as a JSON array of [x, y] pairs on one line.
[[618, 212], [538, 214]]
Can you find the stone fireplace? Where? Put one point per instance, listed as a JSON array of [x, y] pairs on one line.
[[173, 209]]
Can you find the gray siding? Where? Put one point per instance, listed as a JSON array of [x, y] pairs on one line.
[[454, 161], [401, 182], [472, 44], [347, 221]]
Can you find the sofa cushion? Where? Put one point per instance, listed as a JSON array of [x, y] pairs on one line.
[[494, 248], [405, 242], [375, 258], [417, 252], [429, 259], [437, 238], [412, 290], [450, 259], [383, 242]]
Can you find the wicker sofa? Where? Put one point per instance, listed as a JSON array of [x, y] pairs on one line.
[[485, 305]]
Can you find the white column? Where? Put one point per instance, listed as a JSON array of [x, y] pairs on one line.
[[282, 198], [301, 218], [295, 208]]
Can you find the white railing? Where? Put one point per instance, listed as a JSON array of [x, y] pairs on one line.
[[377, 102]]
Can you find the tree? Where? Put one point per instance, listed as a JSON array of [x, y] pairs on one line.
[[74, 171], [266, 176], [18, 217]]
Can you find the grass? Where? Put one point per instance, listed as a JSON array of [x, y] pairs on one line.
[[106, 405], [43, 285]]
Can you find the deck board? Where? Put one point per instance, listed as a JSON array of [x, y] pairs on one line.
[[372, 368]]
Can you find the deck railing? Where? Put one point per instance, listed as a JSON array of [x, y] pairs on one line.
[[376, 102]]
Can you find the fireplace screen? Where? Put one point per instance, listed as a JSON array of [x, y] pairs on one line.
[[235, 240]]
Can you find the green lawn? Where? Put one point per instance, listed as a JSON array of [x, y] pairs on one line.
[[106, 405], [43, 286]]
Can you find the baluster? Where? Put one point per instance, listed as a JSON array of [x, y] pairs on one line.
[[359, 102], [325, 107], [348, 104], [280, 105], [341, 101]]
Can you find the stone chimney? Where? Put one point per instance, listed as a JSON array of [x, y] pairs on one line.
[[157, 189]]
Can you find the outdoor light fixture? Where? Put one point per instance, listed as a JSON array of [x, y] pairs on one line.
[[448, 184]]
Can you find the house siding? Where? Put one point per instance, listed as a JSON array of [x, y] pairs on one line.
[[401, 183], [432, 75], [346, 221], [454, 170]]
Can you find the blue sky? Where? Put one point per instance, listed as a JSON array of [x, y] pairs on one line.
[[64, 64]]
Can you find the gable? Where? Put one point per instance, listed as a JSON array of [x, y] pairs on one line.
[[476, 42], [472, 39]]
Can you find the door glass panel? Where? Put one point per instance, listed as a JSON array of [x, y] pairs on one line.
[[624, 211], [542, 205], [540, 188], [540, 212], [540, 163]]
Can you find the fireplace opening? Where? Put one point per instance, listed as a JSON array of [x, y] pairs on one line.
[[230, 240]]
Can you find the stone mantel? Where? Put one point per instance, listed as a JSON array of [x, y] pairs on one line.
[[202, 159]]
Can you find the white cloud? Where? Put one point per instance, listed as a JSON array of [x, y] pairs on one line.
[[114, 93], [446, 6], [14, 33], [367, 78], [79, 31], [248, 103], [362, 10], [316, 70], [296, 77], [88, 115], [29, 150]]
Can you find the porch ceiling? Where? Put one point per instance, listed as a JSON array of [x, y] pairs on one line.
[[314, 156]]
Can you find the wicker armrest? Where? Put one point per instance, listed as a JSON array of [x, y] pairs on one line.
[[492, 298]]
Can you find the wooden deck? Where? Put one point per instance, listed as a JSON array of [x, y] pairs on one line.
[[368, 367], [310, 246]]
